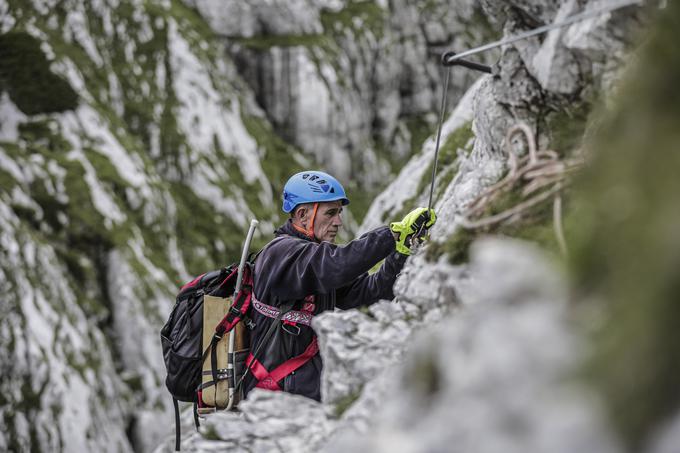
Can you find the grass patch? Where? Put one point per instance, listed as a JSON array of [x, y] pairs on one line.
[[266, 42], [360, 200], [199, 226], [457, 140], [536, 224], [456, 247], [210, 433], [627, 253], [448, 154], [358, 16], [344, 403], [420, 130], [26, 76], [277, 162], [566, 127]]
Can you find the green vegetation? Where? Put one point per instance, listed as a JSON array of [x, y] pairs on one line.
[[199, 226], [210, 433], [447, 168], [360, 199], [420, 130], [358, 16], [457, 140], [455, 247], [567, 125], [266, 42], [124, 91], [535, 224], [423, 376], [626, 250], [6, 179], [25, 74], [134, 383], [353, 22], [346, 402], [565, 129], [278, 161]]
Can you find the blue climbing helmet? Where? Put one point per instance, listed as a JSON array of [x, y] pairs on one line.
[[312, 187]]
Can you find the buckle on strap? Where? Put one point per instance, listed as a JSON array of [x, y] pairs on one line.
[[291, 329]]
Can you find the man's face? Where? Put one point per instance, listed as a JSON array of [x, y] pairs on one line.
[[328, 221]]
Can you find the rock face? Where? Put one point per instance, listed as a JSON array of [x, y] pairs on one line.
[[127, 164], [173, 123], [134, 149], [459, 380], [352, 83], [479, 348], [430, 377]]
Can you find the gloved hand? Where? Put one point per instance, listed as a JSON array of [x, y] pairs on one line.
[[414, 226]]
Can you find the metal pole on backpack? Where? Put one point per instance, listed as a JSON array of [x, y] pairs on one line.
[[239, 279]]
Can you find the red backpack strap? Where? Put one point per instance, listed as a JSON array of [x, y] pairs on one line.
[[240, 305], [270, 379]]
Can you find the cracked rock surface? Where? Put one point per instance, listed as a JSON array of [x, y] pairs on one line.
[[485, 347]]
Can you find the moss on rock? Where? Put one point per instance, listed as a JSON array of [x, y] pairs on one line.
[[457, 140], [344, 403], [359, 16], [456, 247], [25, 74], [566, 126], [627, 254]]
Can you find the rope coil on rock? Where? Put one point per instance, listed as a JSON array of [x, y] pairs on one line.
[[538, 170]]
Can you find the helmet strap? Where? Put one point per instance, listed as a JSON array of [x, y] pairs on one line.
[[311, 221], [309, 231]]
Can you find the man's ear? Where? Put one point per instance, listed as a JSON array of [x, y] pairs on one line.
[[300, 214]]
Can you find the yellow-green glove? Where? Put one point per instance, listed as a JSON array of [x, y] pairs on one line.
[[414, 226]]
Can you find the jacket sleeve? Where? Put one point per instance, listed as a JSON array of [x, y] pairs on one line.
[[369, 289], [295, 268]]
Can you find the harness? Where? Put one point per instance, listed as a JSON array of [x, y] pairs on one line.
[[291, 318], [303, 316], [269, 379]]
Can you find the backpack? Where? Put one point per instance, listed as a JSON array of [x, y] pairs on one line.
[[200, 357], [204, 353]]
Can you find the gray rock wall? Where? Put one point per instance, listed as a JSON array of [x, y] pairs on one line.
[[346, 81], [105, 207], [150, 174], [474, 357]]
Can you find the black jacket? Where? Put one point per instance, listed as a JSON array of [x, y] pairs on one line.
[[294, 267]]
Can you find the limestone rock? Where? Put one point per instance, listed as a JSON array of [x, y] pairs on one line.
[[247, 19], [496, 368], [106, 207], [345, 101]]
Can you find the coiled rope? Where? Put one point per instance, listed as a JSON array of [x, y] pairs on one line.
[[542, 174]]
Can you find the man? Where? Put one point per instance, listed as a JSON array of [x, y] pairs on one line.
[[302, 273]]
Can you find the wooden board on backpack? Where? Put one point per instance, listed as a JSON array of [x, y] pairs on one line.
[[214, 310]]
